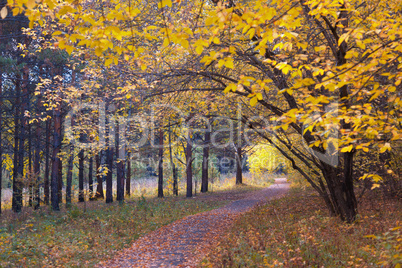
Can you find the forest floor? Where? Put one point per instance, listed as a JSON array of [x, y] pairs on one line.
[[185, 242]]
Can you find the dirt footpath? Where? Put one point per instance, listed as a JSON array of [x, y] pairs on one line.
[[185, 242]]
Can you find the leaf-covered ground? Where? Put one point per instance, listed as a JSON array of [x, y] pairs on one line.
[[185, 242], [296, 231], [90, 232]]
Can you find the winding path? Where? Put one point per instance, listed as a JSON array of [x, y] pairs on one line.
[[184, 242]]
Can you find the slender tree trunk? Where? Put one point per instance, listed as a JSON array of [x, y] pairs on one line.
[[54, 183], [205, 158], [174, 171], [160, 165], [189, 169], [16, 203], [128, 176], [81, 197], [90, 178], [119, 166], [69, 178], [1, 128], [99, 179], [60, 178], [47, 169], [109, 176], [239, 168], [37, 163], [30, 174]]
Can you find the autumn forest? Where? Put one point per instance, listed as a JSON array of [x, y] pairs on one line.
[[115, 114]]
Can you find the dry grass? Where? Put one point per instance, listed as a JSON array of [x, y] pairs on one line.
[[296, 231]]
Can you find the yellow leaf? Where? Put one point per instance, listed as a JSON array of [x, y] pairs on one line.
[[108, 62], [254, 101], [216, 40], [16, 11], [229, 64], [375, 185], [3, 12], [347, 149], [31, 4], [163, 3], [199, 49], [386, 147]]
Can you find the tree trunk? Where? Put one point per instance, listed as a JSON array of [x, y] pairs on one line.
[[239, 168], [205, 163], [37, 164], [174, 171], [60, 178], [30, 170], [189, 169], [109, 163], [69, 178], [160, 165], [54, 183], [99, 179], [119, 167], [1, 128], [81, 197], [47, 169], [128, 177], [90, 178], [19, 157]]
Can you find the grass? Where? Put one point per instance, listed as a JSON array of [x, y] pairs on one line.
[[77, 238], [296, 231]]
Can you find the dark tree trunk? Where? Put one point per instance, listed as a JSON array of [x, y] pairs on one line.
[[109, 176], [99, 179], [19, 160], [37, 165], [1, 128], [60, 178], [160, 165], [30, 170], [69, 178], [128, 177], [119, 166], [47, 169], [205, 164], [81, 197], [90, 178], [174, 170], [189, 169], [239, 168], [109, 163], [54, 183]]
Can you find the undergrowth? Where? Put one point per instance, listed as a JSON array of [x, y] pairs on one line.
[[84, 235], [296, 231]]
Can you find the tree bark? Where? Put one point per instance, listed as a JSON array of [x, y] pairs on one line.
[[54, 183], [128, 177], [205, 163], [37, 164], [99, 178], [69, 178], [90, 178], [47, 169], [60, 178], [160, 165], [119, 167], [1, 128], [81, 197], [239, 168], [174, 170], [189, 169]]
